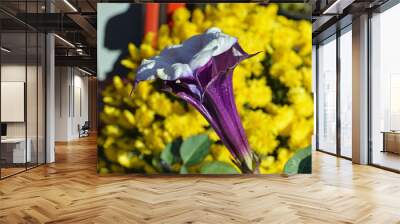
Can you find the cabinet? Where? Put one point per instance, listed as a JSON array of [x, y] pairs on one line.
[[391, 142]]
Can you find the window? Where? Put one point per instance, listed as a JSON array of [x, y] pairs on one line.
[[327, 96], [385, 89], [22, 77], [346, 93]]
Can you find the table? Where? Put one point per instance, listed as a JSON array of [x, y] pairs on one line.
[[391, 141], [16, 147]]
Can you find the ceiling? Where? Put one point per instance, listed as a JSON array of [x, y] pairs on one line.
[[74, 22], [332, 15]]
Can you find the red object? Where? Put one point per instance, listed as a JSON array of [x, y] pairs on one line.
[[151, 17], [173, 6]]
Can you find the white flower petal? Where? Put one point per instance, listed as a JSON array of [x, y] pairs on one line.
[[182, 60], [180, 70], [201, 59], [145, 71], [161, 74]]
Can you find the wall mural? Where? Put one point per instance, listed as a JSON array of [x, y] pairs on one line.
[[205, 88]]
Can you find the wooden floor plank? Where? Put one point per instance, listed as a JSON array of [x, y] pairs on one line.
[[70, 191]]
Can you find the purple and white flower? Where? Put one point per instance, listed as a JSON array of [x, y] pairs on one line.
[[200, 71]]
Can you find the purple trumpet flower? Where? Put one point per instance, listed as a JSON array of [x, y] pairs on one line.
[[199, 71]]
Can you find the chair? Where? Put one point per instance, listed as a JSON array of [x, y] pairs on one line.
[[84, 130]]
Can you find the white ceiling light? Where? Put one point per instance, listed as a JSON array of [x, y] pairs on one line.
[[65, 41], [70, 5], [84, 71], [337, 7], [5, 50], [79, 51]]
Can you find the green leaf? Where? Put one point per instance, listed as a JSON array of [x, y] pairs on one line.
[[305, 165], [170, 153], [184, 170], [194, 149], [299, 163], [156, 164], [217, 167]]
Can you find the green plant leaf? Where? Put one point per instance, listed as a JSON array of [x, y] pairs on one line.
[[184, 170], [217, 167], [156, 164], [194, 149], [170, 153], [305, 165], [299, 163]]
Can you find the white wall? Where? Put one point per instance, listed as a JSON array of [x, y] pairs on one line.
[[50, 93], [106, 58], [314, 89], [62, 82], [360, 89], [15, 73], [33, 127], [71, 102]]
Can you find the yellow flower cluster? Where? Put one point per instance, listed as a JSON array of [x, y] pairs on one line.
[[272, 91], [140, 125]]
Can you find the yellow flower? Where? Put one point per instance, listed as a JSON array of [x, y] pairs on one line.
[[175, 125], [181, 15], [117, 169], [283, 118], [129, 117], [184, 125], [291, 78], [160, 104], [186, 30], [111, 154], [164, 31], [144, 117], [213, 136], [284, 37], [198, 17], [286, 56], [149, 169], [267, 162], [134, 52], [285, 47], [239, 77], [283, 154], [147, 51], [222, 154], [128, 63], [302, 100], [152, 139], [143, 90], [111, 111], [164, 42], [177, 108], [149, 38], [307, 78], [129, 160], [259, 94], [112, 130], [118, 84], [261, 135], [301, 132]]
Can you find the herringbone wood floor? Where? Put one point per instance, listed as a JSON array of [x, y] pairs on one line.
[[70, 191]]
